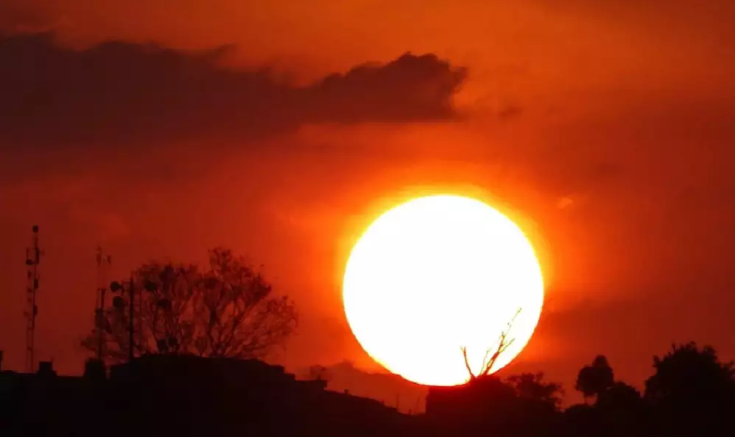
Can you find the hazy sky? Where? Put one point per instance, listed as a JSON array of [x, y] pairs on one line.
[[279, 127]]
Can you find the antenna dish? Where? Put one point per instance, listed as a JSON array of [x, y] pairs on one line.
[[118, 302]]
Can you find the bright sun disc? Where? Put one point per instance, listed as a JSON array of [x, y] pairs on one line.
[[436, 274]]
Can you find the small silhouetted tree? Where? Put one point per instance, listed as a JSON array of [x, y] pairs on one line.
[[595, 378], [619, 410], [619, 397], [536, 404], [692, 392], [581, 420], [225, 309], [688, 373], [532, 387]]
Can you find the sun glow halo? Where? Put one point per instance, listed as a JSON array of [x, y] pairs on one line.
[[438, 273]]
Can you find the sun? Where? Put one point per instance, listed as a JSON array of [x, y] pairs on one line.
[[434, 275]]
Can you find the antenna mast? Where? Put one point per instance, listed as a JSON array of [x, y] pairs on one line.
[[33, 259], [103, 263]]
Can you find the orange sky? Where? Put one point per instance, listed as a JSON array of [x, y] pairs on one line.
[[605, 127]]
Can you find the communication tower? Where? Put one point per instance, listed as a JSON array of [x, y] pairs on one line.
[[33, 259], [103, 264]]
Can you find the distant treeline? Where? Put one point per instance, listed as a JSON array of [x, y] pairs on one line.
[[691, 393]]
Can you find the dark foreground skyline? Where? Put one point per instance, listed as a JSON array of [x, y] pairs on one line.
[[692, 393]]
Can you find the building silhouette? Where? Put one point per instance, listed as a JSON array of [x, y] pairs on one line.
[[185, 395]]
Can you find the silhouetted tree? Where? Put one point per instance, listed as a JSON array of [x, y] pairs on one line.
[[619, 396], [595, 378], [581, 420], [692, 391], [226, 309], [688, 372], [531, 387]]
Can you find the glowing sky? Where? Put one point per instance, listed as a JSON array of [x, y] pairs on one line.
[[603, 127]]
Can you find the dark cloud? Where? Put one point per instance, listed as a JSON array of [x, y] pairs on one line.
[[123, 93]]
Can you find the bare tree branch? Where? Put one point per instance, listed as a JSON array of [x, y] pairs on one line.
[[467, 363], [487, 364]]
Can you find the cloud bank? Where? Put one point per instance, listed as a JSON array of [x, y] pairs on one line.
[[123, 93]]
